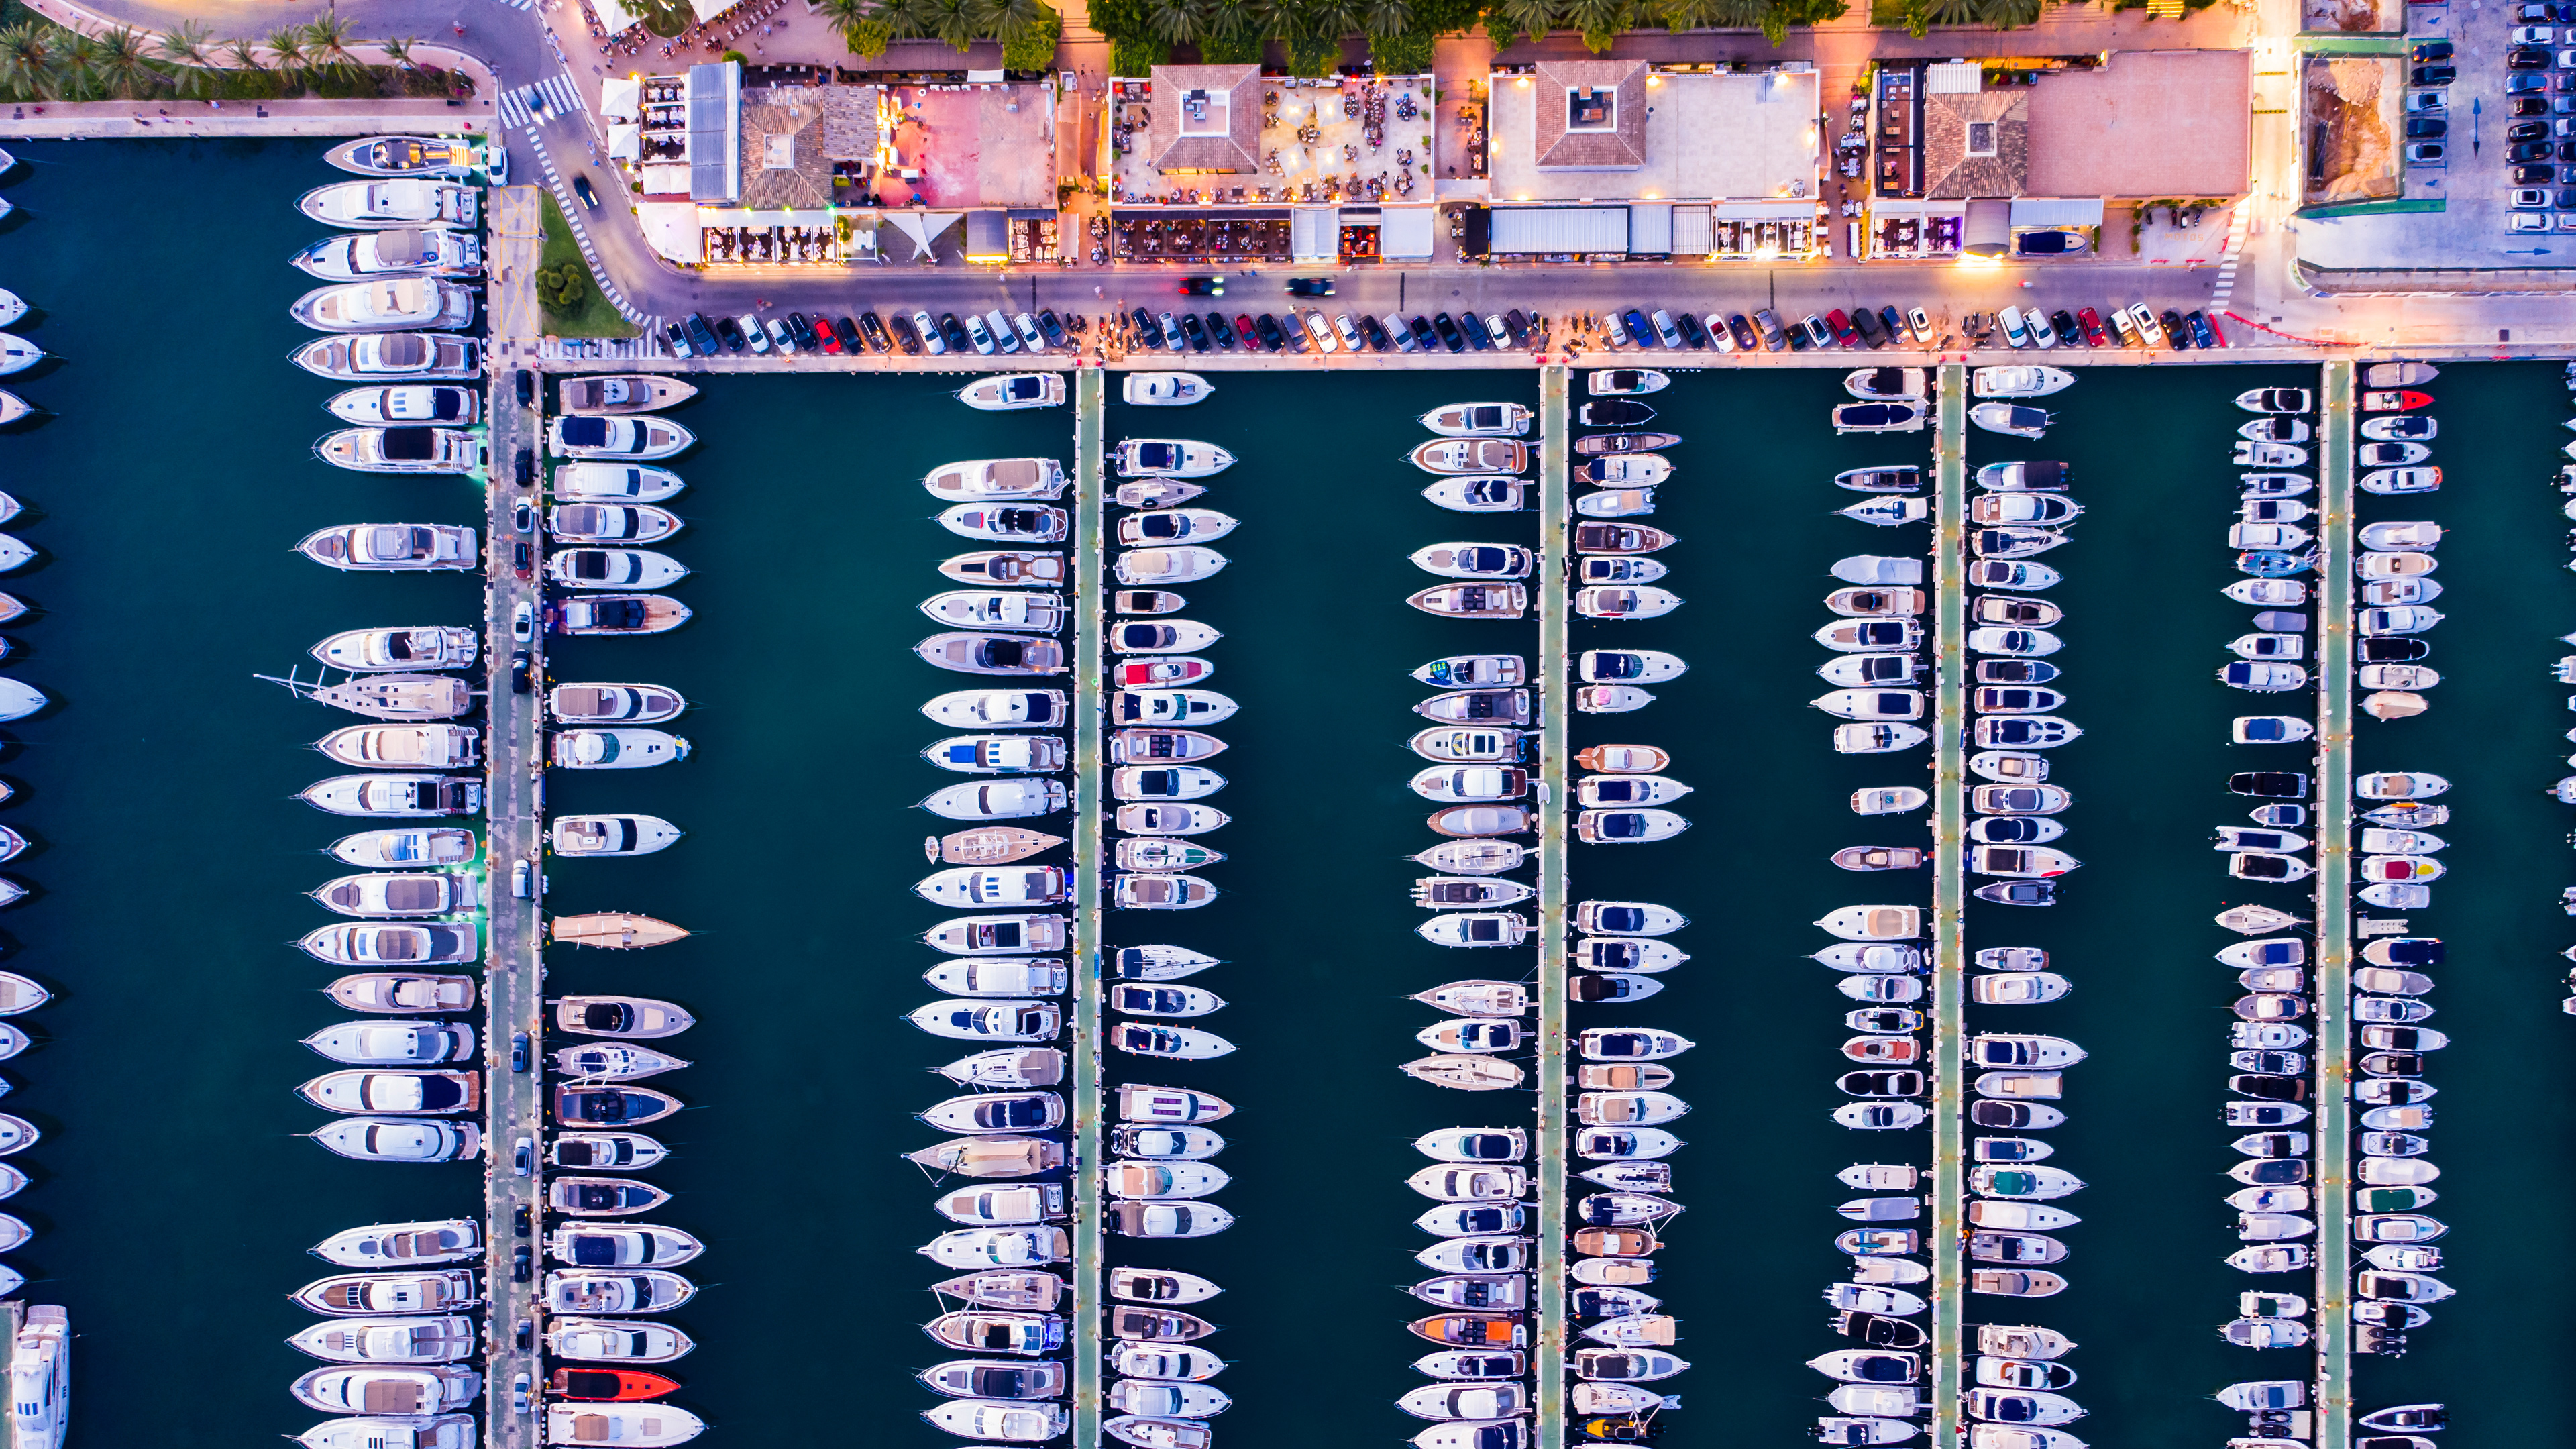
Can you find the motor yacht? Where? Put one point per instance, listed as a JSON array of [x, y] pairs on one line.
[[387, 304], [1018, 610], [1482, 456], [1880, 417], [448, 1240], [640, 437], [1479, 495], [1478, 420], [413, 1393], [2019, 381], [1169, 458], [629, 483], [393, 203], [1897, 384], [1164, 389], [406, 156], [402, 992], [1166, 566], [431, 251], [2019, 477], [1013, 391], [2011, 420], [416, 356], [388, 1340], [996, 479], [1889, 510], [1907, 479], [394, 1139], [393, 547]]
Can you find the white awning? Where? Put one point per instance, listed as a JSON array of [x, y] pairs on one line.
[[620, 97], [1764, 211], [1896, 206], [2056, 211], [1953, 78], [671, 228], [1528, 229], [707, 10], [1405, 232], [625, 143], [668, 179], [614, 18], [987, 77], [923, 227], [1693, 232], [1650, 229], [1988, 228], [1314, 234], [746, 216]]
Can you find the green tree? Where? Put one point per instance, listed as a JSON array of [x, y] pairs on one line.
[[1314, 57], [1533, 18], [1122, 20], [76, 66], [1402, 54], [286, 51], [326, 41], [2007, 14], [27, 61], [951, 22], [124, 63], [1029, 44], [189, 47]]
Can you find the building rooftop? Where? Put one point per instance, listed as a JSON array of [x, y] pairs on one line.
[[1206, 118], [1976, 143], [1601, 130], [783, 165], [2150, 123]]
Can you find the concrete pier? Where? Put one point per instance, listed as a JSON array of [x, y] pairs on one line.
[[2332, 1126], [1555, 694], [1090, 582], [514, 738], [1949, 889]]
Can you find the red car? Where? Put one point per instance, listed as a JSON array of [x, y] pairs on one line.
[[2091, 322], [608, 1385], [827, 334], [1245, 329], [1844, 332]]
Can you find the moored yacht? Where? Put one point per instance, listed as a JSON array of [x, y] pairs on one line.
[[1169, 458], [404, 449], [614, 483], [1478, 420], [406, 156], [637, 436], [411, 355], [383, 205], [2023, 380], [431, 250], [1012, 391]]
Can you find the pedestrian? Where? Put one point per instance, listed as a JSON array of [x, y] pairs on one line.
[[460, 27]]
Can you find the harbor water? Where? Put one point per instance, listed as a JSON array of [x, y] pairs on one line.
[[174, 1197]]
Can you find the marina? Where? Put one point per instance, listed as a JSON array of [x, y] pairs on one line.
[[796, 801]]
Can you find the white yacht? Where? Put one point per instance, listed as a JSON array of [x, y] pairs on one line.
[[17, 354], [642, 1425], [2024, 380], [611, 835], [411, 403], [615, 483], [393, 546], [410, 355], [388, 1340], [1478, 420], [613, 568], [1169, 458], [449, 1240], [406, 156], [425, 646], [997, 479], [615, 1340], [435, 1431], [630, 704], [387, 304], [614, 749], [637, 436], [40, 1378], [1164, 389], [385, 205], [404, 449], [435, 251], [623, 392]]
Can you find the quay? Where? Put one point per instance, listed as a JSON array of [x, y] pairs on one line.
[[514, 792], [1949, 886], [1556, 701], [1089, 585], [2333, 1122]]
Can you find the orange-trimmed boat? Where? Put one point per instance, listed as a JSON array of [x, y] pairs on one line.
[[603, 1386]]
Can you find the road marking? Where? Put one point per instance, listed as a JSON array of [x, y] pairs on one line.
[[556, 95]]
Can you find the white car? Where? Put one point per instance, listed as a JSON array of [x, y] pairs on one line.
[[2527, 221], [979, 334], [2009, 319], [753, 333], [1000, 327], [1720, 335], [1350, 333], [1321, 332], [931, 341], [2148, 327]]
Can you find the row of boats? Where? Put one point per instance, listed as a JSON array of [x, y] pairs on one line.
[[2016, 1371], [2565, 672], [1006, 974], [38, 1357]]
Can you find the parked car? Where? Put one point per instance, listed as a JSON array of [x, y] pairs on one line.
[[2091, 323], [2514, 85], [1349, 332], [1746, 337], [1894, 321], [754, 334], [2526, 221], [1423, 335], [874, 328], [1321, 331], [2532, 35], [1400, 333], [2437, 75], [1478, 336], [1817, 333], [1517, 325], [1194, 332], [1267, 327], [2009, 319], [702, 337], [1448, 331], [1864, 324], [802, 329], [2533, 175], [1169, 327], [1667, 331], [2425, 153], [958, 337], [1693, 334], [2519, 106], [2526, 57], [2204, 333], [1921, 322], [1774, 336], [906, 334], [2428, 100], [2434, 128], [2177, 331], [1845, 334], [1053, 329], [980, 335], [1249, 331], [2430, 50], [1376, 335]]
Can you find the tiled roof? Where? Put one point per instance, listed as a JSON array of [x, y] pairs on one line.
[[784, 125], [1948, 169], [1561, 149], [1239, 149]]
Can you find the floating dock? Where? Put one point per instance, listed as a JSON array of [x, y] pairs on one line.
[[2332, 1130], [1949, 889], [1090, 580], [1555, 702]]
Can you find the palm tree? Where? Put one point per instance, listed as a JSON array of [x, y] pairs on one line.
[[1385, 17], [286, 47], [76, 66], [2007, 14], [951, 22], [326, 40], [27, 61], [187, 44], [1950, 12], [124, 63], [1332, 19], [1182, 22], [1533, 18], [1002, 19], [397, 49]]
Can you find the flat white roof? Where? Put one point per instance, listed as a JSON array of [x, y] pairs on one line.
[[1708, 138]]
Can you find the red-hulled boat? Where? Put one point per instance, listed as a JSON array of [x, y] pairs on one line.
[[596, 1385]]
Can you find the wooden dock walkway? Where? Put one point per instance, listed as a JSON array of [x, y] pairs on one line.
[[1556, 701], [1949, 891], [1089, 701], [2332, 1126]]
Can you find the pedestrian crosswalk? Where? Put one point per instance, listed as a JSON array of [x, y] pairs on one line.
[[536, 104], [571, 207], [2231, 253], [520, 4]]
